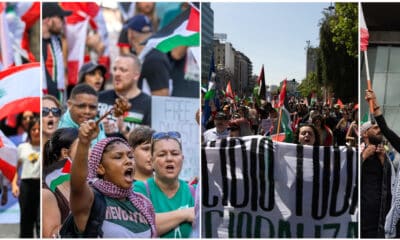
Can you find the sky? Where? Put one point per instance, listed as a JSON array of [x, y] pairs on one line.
[[273, 34]]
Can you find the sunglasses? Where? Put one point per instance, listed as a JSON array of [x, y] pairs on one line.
[[55, 111], [162, 135]]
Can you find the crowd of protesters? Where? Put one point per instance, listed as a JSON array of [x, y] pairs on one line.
[[331, 124], [93, 166]]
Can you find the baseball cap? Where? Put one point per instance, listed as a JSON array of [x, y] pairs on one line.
[[51, 9], [90, 67], [220, 116], [365, 126], [139, 23]]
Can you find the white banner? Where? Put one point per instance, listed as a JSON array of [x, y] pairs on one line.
[[178, 114], [253, 187]]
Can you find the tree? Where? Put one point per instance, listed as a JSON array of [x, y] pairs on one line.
[[344, 27], [310, 84], [336, 68]]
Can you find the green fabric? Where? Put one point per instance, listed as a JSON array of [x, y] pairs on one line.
[[124, 214], [182, 199]]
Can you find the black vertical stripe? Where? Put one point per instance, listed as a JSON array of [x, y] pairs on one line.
[[354, 199], [326, 180], [271, 179], [232, 166], [245, 172], [225, 190], [316, 184], [253, 170], [336, 181], [299, 180], [206, 183]]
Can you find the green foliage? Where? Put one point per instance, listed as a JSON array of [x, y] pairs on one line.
[[310, 84], [336, 69], [344, 27]]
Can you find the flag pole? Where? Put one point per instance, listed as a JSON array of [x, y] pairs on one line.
[[369, 85], [279, 123]]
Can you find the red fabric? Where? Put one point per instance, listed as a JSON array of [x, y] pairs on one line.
[[282, 94], [228, 92], [73, 66], [21, 105], [194, 20], [7, 169], [90, 8], [340, 103], [364, 38], [67, 167]]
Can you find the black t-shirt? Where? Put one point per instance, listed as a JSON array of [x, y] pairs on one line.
[[156, 70], [183, 87], [139, 114]]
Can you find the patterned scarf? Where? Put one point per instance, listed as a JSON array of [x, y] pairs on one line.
[[109, 189], [393, 215]]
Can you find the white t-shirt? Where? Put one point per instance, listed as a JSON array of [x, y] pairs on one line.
[[30, 157]]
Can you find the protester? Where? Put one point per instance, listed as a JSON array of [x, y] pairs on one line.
[[126, 72], [220, 130], [140, 141], [82, 106], [378, 181], [324, 132], [51, 113], [110, 172], [172, 198], [28, 191], [55, 202], [307, 134], [52, 49], [93, 74]]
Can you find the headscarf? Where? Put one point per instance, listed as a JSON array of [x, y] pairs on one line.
[[109, 189]]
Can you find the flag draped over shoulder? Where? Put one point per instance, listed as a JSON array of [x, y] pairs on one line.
[[8, 157], [184, 30], [20, 89], [364, 35], [58, 173]]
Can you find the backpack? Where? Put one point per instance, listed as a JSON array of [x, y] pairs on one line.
[[94, 223]]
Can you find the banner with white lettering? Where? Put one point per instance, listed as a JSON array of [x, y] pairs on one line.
[[253, 187], [178, 114]]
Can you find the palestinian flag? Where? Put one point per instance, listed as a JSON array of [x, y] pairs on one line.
[[364, 35], [261, 83], [184, 30], [285, 134], [20, 89], [58, 173]]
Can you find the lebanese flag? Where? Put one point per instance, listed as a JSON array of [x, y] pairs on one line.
[[58, 173], [184, 30], [8, 157], [29, 12], [229, 92], [282, 95], [20, 89], [364, 35], [7, 55]]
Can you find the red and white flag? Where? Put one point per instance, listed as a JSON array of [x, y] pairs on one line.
[[229, 92], [8, 157], [29, 12], [84, 14], [20, 89], [7, 56], [364, 35]]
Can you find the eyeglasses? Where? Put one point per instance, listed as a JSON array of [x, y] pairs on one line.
[[162, 135], [55, 111]]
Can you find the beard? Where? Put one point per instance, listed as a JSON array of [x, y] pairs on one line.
[[375, 139]]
